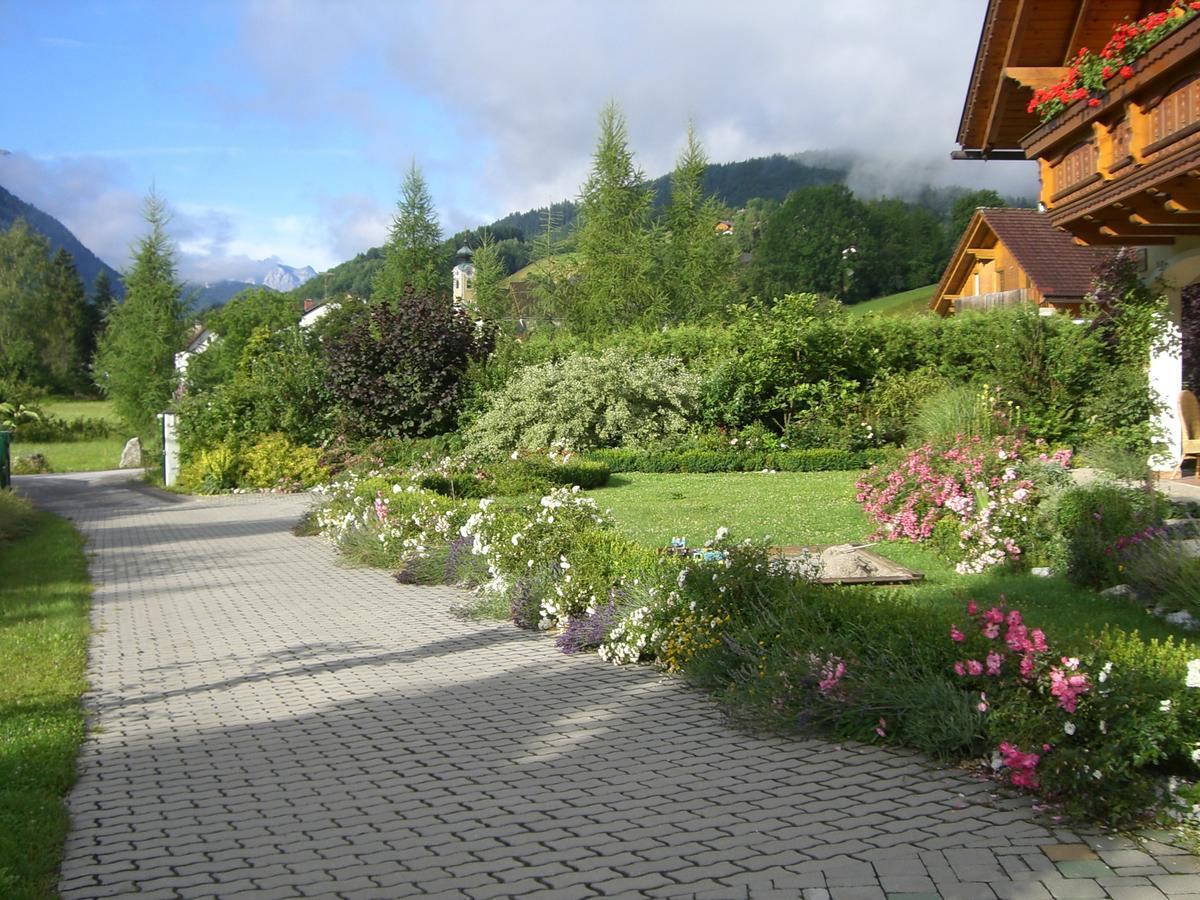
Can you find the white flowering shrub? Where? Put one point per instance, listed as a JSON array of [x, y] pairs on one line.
[[390, 513], [583, 402], [540, 543]]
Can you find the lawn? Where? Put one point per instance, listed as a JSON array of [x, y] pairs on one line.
[[906, 303], [76, 456], [44, 596], [79, 456], [819, 508]]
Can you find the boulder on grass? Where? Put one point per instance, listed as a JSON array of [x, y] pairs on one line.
[[131, 456]]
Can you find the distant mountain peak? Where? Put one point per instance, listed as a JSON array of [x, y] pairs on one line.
[[287, 278]]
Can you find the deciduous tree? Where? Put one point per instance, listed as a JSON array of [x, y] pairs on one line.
[[812, 243]]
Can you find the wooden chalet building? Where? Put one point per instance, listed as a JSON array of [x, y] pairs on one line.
[[1008, 257], [1120, 164]]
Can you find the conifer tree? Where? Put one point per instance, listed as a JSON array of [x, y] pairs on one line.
[[23, 272], [63, 319], [616, 260], [413, 260], [491, 294], [135, 362], [699, 265], [96, 315]]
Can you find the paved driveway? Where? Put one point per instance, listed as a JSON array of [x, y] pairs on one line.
[[269, 723]]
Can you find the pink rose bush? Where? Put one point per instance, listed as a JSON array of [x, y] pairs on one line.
[[989, 489], [1098, 732]]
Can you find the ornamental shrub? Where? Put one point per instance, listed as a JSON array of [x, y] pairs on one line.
[[1092, 524], [1098, 732], [51, 428], [698, 461], [584, 402], [278, 387], [396, 369], [275, 462], [211, 470], [993, 488]]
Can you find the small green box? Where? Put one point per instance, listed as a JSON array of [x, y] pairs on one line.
[[5, 462]]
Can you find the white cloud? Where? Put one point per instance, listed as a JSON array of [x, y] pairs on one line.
[[90, 197], [524, 82]]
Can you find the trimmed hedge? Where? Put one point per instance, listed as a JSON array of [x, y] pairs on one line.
[[710, 461], [510, 478]]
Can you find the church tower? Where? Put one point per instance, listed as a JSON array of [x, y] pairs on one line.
[[464, 278]]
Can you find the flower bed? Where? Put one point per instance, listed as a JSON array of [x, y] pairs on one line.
[[1099, 723]]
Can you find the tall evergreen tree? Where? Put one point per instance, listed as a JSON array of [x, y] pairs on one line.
[[616, 256], [135, 362], [964, 208], [96, 315], [23, 274], [413, 258], [699, 265], [64, 324], [687, 185], [491, 294]]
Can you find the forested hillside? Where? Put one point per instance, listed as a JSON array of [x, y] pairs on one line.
[[917, 232], [87, 263]]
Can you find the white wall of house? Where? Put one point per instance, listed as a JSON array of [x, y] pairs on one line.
[[315, 315], [1176, 266]]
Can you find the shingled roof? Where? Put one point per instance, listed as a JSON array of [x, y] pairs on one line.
[[1062, 269]]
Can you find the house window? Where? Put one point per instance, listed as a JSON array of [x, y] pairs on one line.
[[999, 279]]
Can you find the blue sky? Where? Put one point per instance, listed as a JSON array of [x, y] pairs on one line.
[[280, 129]]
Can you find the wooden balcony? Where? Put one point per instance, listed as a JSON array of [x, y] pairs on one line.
[[992, 300], [1127, 171]]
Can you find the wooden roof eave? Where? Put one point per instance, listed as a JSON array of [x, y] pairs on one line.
[[1018, 37], [958, 260]]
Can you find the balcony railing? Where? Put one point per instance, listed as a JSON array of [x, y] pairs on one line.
[[1140, 124], [993, 300]]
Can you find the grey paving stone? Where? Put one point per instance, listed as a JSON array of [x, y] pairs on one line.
[[270, 721]]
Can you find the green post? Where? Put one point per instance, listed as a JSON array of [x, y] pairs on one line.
[[5, 464]]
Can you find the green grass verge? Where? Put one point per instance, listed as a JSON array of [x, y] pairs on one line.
[[906, 303], [44, 595], [819, 508]]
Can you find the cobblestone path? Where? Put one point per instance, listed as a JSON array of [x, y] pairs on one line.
[[268, 723]]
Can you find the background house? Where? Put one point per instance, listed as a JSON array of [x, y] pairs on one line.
[[1012, 256]]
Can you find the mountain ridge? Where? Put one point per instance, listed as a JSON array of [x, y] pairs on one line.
[[87, 263]]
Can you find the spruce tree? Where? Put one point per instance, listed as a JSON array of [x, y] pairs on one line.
[[616, 259], [413, 259], [63, 324], [96, 314], [24, 266], [135, 362]]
